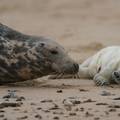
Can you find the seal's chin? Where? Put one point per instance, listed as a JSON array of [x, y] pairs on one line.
[[116, 77]]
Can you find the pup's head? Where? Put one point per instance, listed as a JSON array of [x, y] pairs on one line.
[[116, 76]]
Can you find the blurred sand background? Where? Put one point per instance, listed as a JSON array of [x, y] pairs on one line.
[[82, 27]]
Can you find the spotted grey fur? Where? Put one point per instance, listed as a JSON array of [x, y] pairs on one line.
[[25, 57]]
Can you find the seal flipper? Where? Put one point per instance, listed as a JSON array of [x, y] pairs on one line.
[[11, 34]]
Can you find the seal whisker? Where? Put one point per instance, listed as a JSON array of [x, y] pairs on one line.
[[59, 76], [78, 75]]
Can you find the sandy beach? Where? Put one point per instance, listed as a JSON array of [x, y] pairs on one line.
[[83, 27]]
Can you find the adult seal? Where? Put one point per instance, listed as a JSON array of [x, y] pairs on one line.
[[25, 57], [103, 67]]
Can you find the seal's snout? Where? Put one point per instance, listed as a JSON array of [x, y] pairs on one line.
[[70, 68], [116, 74]]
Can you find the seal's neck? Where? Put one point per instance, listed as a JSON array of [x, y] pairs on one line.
[[11, 34]]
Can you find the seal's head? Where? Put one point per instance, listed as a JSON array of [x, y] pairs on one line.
[[25, 57], [57, 58], [116, 76]]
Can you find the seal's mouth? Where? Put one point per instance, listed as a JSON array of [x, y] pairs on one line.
[[116, 77], [66, 70]]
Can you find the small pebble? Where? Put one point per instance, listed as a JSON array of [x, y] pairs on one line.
[[105, 93], [117, 98], [1, 116], [38, 116], [96, 118], [68, 108], [12, 104], [119, 114], [44, 101], [25, 111], [22, 118], [89, 100], [67, 102], [5, 119], [32, 104], [114, 106], [106, 112], [59, 91], [16, 109], [59, 113], [72, 114], [47, 111], [1, 111], [112, 110], [87, 114], [83, 90], [101, 104], [20, 98], [39, 108], [56, 118], [77, 109], [82, 109]]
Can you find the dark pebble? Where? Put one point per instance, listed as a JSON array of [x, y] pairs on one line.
[[105, 93], [72, 114], [6, 96], [76, 102], [44, 101], [59, 91], [114, 106], [39, 108], [20, 98], [82, 109], [83, 90], [56, 118], [59, 113], [4, 104], [32, 104], [117, 98], [87, 114], [38, 116], [96, 118], [119, 114], [112, 110], [89, 100], [22, 118], [101, 104], [5, 119], [1, 111], [1, 116]]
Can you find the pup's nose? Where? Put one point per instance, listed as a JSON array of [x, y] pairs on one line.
[[116, 74], [76, 67]]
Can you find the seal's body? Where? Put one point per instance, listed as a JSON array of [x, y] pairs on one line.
[[24, 57], [103, 67]]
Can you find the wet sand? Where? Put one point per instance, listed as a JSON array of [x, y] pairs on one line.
[[82, 27]]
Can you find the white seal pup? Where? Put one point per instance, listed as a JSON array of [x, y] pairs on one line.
[[103, 67]]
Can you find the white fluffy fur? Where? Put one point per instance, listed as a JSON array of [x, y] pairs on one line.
[[101, 66]]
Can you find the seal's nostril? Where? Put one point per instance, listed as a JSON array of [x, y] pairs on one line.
[[76, 66], [116, 74]]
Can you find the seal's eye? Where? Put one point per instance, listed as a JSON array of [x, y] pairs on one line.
[[54, 52]]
